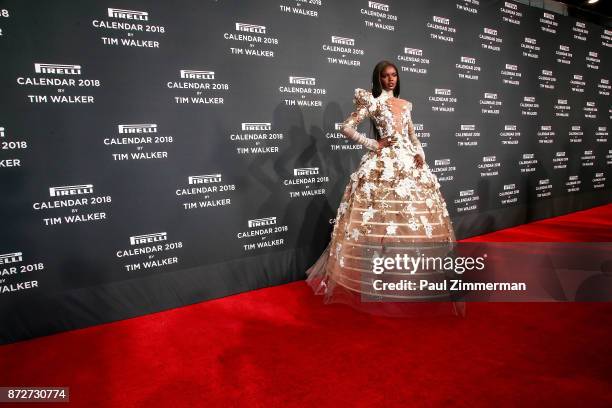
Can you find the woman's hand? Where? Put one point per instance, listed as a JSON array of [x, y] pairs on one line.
[[385, 142], [418, 160]]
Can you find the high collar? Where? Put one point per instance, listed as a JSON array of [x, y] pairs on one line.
[[386, 94]]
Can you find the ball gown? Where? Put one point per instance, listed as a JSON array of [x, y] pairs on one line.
[[390, 207]]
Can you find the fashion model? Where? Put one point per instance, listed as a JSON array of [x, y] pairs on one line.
[[391, 206]]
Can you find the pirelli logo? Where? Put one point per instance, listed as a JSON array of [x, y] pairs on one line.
[[59, 69], [256, 126], [260, 222], [128, 14], [192, 74], [251, 28], [139, 128], [305, 171], [70, 190], [205, 179], [441, 20], [342, 40], [13, 257], [302, 80], [378, 6], [148, 238], [413, 51]]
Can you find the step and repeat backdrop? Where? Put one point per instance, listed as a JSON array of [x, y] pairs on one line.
[[156, 154]]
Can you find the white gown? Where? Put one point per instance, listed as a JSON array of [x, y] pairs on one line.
[[390, 206]]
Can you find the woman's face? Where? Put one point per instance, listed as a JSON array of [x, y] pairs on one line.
[[388, 78]]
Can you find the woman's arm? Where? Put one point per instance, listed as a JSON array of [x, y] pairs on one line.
[[362, 103], [411, 134]]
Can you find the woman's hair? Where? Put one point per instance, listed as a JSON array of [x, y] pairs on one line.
[[377, 87]]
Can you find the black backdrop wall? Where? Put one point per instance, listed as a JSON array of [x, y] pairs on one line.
[[157, 154]]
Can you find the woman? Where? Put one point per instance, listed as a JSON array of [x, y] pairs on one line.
[[391, 206]]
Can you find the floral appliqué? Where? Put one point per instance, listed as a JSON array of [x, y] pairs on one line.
[[368, 214]]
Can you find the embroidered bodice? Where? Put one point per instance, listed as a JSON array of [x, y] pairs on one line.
[[392, 117]]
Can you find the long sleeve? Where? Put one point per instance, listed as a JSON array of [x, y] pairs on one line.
[[411, 134], [362, 101]]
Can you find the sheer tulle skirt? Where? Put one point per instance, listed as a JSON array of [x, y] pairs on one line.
[[387, 214]]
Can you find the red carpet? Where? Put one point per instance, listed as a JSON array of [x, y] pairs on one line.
[[280, 346], [592, 225]]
